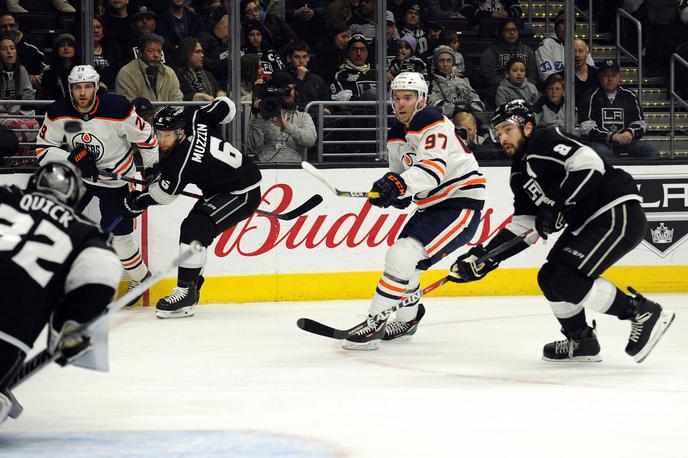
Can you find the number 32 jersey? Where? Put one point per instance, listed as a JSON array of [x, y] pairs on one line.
[[434, 162], [206, 160]]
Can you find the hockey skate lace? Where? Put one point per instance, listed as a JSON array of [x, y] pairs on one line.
[[637, 326], [132, 285], [563, 347], [396, 327], [177, 295]]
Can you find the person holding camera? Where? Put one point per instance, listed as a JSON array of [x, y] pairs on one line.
[[277, 131]]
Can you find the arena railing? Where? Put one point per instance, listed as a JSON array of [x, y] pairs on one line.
[[621, 13]]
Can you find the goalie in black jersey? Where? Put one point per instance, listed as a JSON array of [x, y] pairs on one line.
[[561, 184], [61, 269], [230, 183]]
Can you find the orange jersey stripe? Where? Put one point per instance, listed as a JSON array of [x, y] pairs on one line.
[[450, 189], [125, 165], [393, 288], [451, 232], [433, 165]]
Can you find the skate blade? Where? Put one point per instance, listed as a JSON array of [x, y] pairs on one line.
[[404, 338], [361, 346], [665, 320], [5, 408], [575, 359], [186, 312]]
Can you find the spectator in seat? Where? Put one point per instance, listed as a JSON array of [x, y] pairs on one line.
[[392, 35], [507, 46], [144, 20], [104, 56], [251, 75], [475, 10], [549, 110], [355, 80], [277, 31], [63, 58], [282, 136], [306, 18], [117, 21], [451, 38], [448, 90], [216, 46], [31, 57], [255, 43], [413, 25], [482, 146], [586, 74], [331, 52], [515, 85], [179, 22], [15, 84], [550, 55], [612, 119], [146, 76], [195, 82], [309, 86], [406, 61], [362, 19]]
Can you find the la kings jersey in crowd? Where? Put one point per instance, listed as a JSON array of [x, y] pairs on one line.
[[600, 117], [557, 165], [46, 251], [107, 131], [434, 163], [206, 160]]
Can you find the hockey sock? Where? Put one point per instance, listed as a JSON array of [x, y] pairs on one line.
[[574, 323], [388, 293], [409, 312], [130, 256], [187, 276]]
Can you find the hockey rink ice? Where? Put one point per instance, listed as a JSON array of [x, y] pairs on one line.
[[241, 380]]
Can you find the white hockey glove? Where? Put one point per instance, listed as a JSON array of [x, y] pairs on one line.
[[68, 342], [343, 95]]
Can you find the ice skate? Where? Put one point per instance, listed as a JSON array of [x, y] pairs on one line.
[[368, 337], [133, 285], [580, 346], [648, 324], [402, 331], [179, 304]]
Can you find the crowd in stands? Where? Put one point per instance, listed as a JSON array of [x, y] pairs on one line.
[[300, 51]]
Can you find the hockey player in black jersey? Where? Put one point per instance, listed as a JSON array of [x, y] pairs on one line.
[[61, 267], [560, 184], [230, 183]]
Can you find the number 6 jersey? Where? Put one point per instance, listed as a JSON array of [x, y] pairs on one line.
[[435, 164], [206, 160]]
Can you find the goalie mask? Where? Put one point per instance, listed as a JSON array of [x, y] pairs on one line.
[[61, 180]]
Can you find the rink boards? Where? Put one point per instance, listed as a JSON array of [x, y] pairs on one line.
[[337, 250]]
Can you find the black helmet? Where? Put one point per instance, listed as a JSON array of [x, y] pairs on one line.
[[169, 118], [518, 111], [61, 180]]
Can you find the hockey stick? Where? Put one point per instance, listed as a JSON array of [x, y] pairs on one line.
[[308, 205], [45, 357], [324, 330], [308, 167]]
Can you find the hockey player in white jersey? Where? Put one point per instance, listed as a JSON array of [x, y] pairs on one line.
[[431, 166], [109, 128]]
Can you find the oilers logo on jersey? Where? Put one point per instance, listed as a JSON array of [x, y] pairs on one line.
[[409, 159], [90, 143]]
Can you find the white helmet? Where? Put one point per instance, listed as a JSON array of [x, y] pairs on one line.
[[83, 74], [409, 81]]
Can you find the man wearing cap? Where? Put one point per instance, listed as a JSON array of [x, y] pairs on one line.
[[414, 26], [611, 117], [144, 20], [146, 76], [550, 54], [392, 38], [282, 134], [355, 80]]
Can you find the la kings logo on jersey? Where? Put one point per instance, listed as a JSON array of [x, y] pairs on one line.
[[90, 143], [534, 191], [612, 119]]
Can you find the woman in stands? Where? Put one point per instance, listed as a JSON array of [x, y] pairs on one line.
[[62, 60], [195, 82], [15, 84], [105, 59]]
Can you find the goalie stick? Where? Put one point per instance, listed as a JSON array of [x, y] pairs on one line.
[[324, 330], [308, 167], [45, 357], [307, 206]]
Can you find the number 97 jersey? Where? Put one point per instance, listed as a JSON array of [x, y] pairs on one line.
[[434, 162], [206, 160]]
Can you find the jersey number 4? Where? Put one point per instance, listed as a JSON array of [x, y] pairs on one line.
[[57, 247], [223, 151]]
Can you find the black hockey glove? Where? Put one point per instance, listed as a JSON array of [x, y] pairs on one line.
[[390, 188], [465, 269], [401, 203], [131, 208], [85, 161], [550, 217], [150, 174]]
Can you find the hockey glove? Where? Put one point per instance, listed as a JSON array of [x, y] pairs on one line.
[[550, 217], [131, 208], [401, 203], [150, 174], [465, 269], [85, 161], [390, 188], [69, 343]]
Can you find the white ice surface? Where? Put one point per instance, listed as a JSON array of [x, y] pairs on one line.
[[243, 380]]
